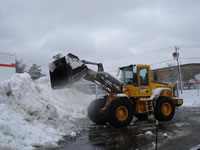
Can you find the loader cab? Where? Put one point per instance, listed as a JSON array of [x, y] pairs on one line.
[[128, 75], [137, 75], [136, 80]]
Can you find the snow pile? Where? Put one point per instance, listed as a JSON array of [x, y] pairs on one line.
[[32, 113], [191, 98], [17, 133]]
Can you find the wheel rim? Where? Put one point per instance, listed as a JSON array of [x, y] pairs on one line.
[[166, 109], [121, 113]]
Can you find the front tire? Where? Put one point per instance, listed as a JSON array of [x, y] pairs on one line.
[[164, 109], [94, 111], [120, 112]]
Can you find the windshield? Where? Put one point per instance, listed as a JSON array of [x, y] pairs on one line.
[[128, 75]]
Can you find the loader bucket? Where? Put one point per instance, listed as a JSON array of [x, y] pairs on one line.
[[66, 70]]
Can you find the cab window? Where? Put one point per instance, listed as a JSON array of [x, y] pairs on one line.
[[143, 75], [128, 75]]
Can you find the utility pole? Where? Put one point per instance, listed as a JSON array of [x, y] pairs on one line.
[[157, 126], [176, 57]]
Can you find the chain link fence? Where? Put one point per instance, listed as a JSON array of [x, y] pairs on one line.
[[192, 85]]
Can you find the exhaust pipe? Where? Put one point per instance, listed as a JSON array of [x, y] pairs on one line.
[[66, 70]]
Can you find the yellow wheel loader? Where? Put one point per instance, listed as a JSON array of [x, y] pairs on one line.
[[135, 93]]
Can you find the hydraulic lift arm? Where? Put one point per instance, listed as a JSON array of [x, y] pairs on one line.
[[70, 68]]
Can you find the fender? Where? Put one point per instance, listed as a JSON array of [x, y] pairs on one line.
[[161, 92], [156, 93]]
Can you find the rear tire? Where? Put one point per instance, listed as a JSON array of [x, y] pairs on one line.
[[94, 112], [164, 109], [120, 112]]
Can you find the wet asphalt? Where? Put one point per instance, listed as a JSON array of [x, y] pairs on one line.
[[182, 133]]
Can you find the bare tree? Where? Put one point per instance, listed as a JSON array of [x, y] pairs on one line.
[[35, 71]]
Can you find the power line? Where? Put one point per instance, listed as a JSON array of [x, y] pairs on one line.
[[164, 61], [171, 60], [194, 58]]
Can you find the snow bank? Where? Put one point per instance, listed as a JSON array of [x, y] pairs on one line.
[[197, 77], [191, 98], [32, 113], [17, 133]]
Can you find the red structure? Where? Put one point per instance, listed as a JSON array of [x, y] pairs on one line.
[[8, 65]]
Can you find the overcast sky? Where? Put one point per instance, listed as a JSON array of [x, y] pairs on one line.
[[115, 32]]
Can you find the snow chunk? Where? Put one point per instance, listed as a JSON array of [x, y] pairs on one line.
[[149, 133], [73, 61], [165, 135], [195, 147], [73, 134]]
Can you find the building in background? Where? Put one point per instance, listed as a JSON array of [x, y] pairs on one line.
[[170, 74]]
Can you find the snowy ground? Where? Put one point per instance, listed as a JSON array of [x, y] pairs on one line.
[[182, 133], [33, 114]]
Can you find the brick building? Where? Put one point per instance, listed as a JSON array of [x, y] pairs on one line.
[[170, 74]]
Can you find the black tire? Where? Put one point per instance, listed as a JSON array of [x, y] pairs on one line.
[[113, 120], [141, 117], [159, 115], [94, 112]]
